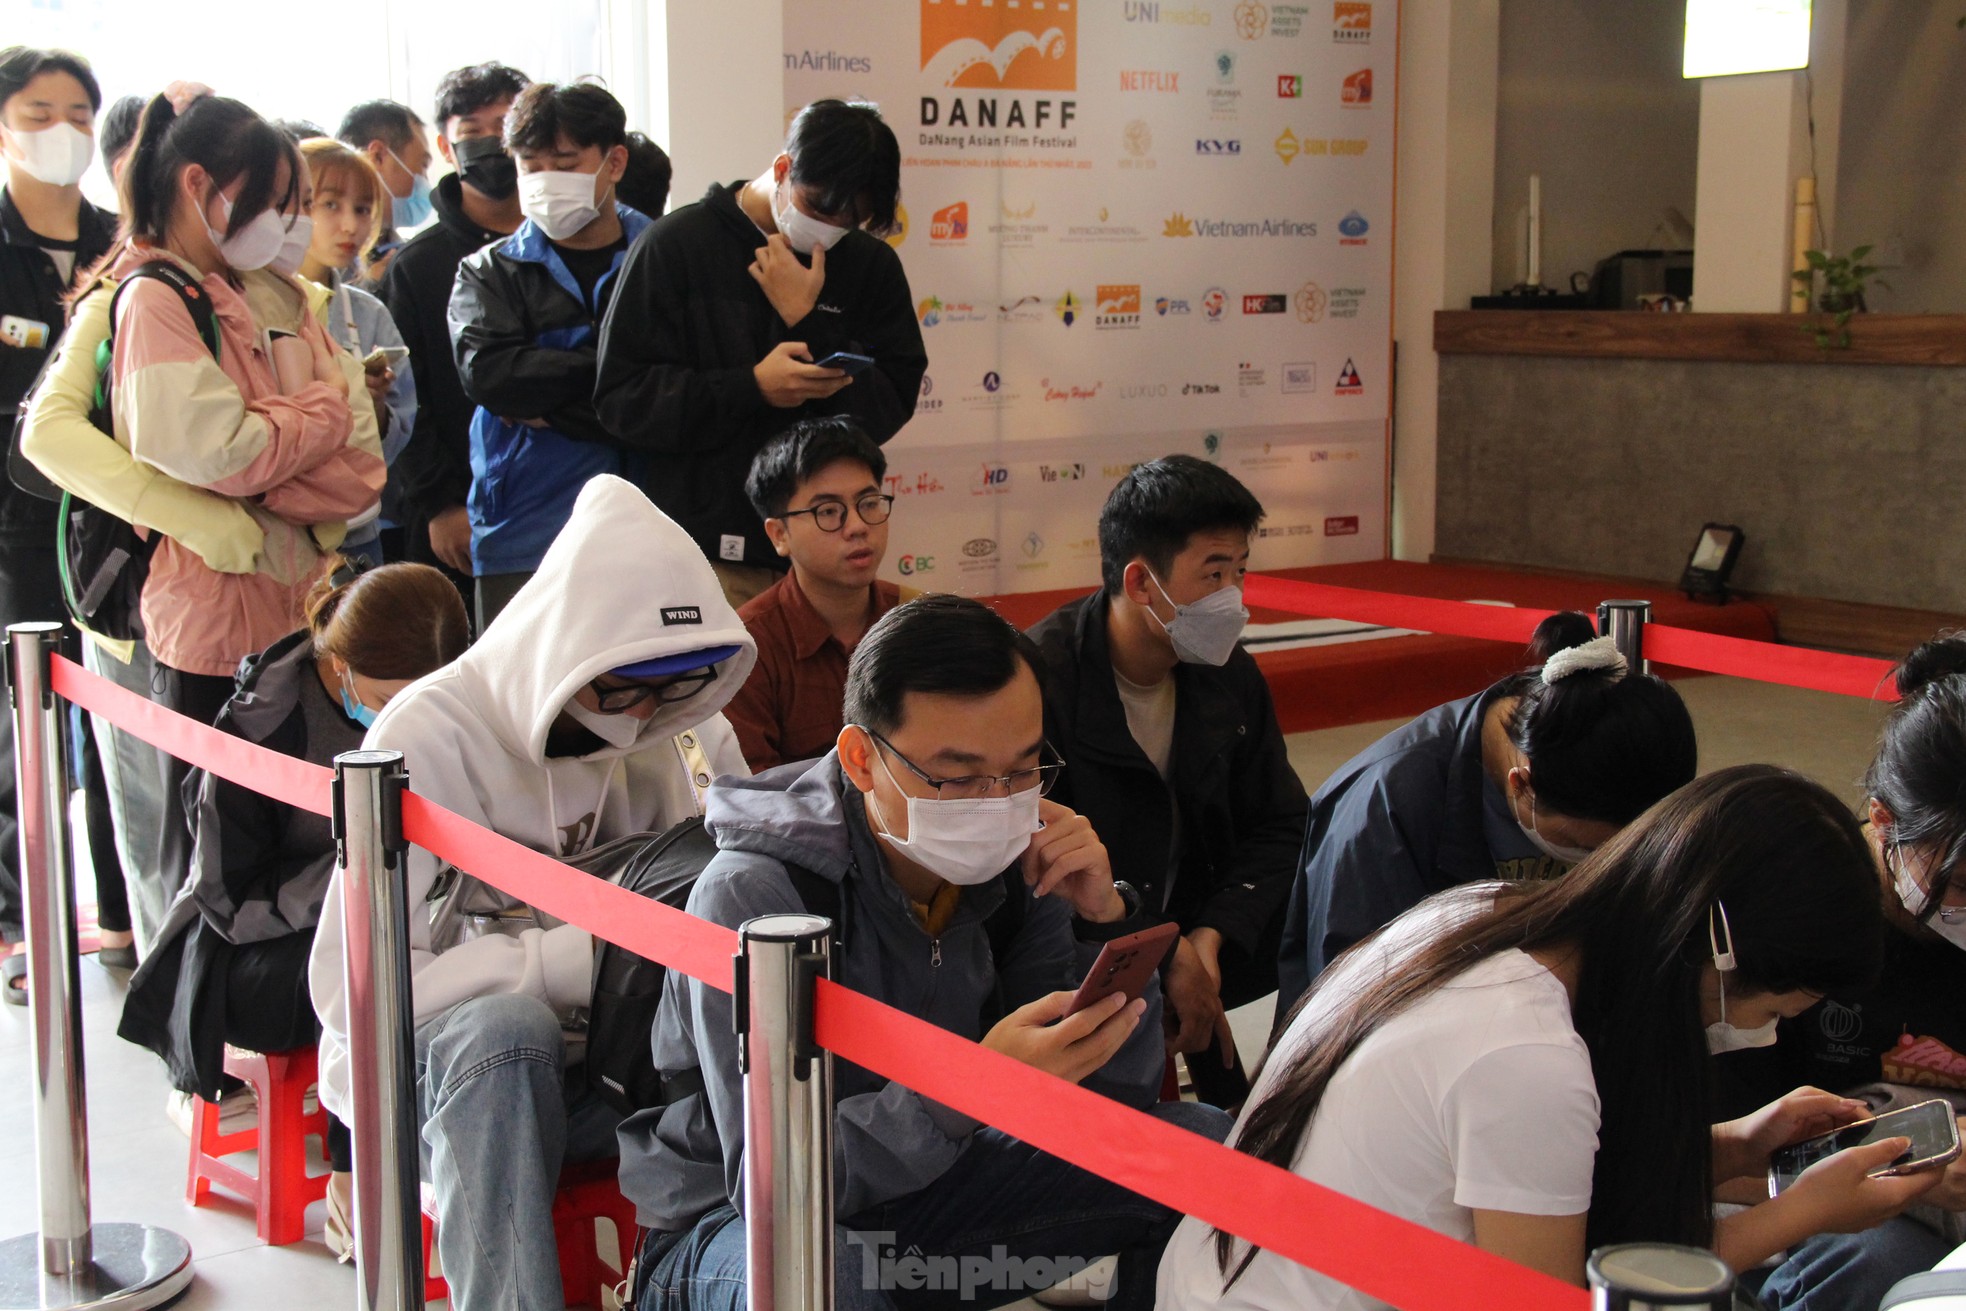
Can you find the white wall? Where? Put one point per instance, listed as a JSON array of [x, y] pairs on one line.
[[1591, 99], [1443, 251], [725, 88]]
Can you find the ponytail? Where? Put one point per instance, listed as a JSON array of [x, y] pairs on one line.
[[1921, 760], [223, 137], [395, 621]]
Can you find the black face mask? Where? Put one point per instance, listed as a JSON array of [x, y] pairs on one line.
[[485, 167]]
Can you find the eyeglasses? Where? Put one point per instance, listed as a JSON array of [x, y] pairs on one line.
[[830, 516], [974, 787], [616, 700]]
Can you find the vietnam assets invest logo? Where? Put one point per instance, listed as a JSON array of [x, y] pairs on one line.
[[1012, 48]]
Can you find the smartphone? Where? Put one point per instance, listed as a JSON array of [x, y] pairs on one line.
[[1932, 1127], [389, 355], [1125, 965], [847, 360], [28, 334]]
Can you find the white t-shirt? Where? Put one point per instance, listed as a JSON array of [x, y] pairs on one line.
[[1478, 1097], [1150, 718]]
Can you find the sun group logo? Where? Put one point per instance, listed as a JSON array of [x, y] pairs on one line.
[[991, 480], [827, 61], [1068, 391], [1217, 146], [1214, 304], [1143, 391], [1061, 473], [927, 403], [917, 564], [1310, 303], [1289, 145], [1266, 303], [1068, 309], [1355, 92], [1164, 306], [1349, 383], [999, 47], [1137, 139], [1351, 22], [1140, 79], [1352, 229], [1290, 86], [1119, 306], [1252, 19], [1299, 377], [980, 548], [949, 226], [1178, 225]]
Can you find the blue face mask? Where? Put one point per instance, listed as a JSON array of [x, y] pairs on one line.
[[414, 209], [353, 708]]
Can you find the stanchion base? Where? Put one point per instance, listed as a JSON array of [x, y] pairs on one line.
[[135, 1267]]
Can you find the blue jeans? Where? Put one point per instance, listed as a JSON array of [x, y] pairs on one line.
[[1003, 1222], [1832, 1272], [498, 1122]]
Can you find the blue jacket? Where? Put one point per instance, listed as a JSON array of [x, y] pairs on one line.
[[525, 342], [1396, 823]]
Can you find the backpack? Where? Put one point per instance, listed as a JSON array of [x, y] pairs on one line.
[[620, 1061], [103, 561]]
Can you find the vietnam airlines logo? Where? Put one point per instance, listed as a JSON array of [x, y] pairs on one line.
[[1030, 47], [1178, 225]]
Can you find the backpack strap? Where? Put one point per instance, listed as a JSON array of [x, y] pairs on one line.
[[196, 303]]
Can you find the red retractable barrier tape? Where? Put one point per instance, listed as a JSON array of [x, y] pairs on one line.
[[1766, 662], [1408, 1265]]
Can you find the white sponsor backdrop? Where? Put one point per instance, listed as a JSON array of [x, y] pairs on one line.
[[1133, 228]]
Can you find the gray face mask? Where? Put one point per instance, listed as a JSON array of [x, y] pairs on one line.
[[1206, 632]]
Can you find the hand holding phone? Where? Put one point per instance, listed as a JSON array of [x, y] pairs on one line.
[[1125, 966], [1929, 1129], [847, 361]]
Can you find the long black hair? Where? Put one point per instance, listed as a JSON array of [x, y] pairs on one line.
[[1791, 866], [1919, 772], [225, 138]]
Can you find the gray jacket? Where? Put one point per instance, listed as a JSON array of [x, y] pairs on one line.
[[888, 1141]]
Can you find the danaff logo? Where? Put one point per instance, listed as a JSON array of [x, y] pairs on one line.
[[1030, 48], [681, 614], [1351, 22], [950, 223]]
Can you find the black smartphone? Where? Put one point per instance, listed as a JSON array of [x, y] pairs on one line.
[[1933, 1128], [848, 361]]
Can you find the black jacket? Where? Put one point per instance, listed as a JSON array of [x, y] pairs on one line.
[[31, 288], [1241, 805], [434, 470], [260, 869], [687, 326]]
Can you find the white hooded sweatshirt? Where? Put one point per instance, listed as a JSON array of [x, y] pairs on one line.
[[621, 584]]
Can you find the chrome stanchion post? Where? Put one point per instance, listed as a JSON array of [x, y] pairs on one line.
[[1641, 1276], [69, 1263], [1624, 623], [788, 1112], [368, 831]]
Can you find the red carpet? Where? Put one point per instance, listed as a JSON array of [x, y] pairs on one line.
[[1397, 678]]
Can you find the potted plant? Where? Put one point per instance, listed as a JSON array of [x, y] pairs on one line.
[[1838, 283]]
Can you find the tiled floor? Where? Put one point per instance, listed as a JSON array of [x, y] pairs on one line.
[[138, 1159]]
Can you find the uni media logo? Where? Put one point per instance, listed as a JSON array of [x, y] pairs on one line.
[[950, 224], [1290, 86], [1355, 92], [1027, 47]]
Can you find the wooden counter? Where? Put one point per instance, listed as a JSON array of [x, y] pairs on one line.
[[1927, 339]]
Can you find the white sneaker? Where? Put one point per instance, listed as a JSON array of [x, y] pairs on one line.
[[238, 1111]]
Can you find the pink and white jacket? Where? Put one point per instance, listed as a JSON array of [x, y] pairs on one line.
[[300, 464]]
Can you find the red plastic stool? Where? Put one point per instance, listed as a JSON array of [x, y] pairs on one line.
[[589, 1192], [282, 1188]]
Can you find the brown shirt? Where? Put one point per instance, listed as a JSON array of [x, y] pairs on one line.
[[789, 709]]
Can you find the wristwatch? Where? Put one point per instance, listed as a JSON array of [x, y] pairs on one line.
[[1128, 894]]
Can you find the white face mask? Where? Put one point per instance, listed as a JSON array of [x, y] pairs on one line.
[[801, 229], [1722, 1036], [559, 204], [58, 154], [1554, 850], [254, 246], [1204, 632], [617, 730], [1914, 899], [293, 250], [965, 842]]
